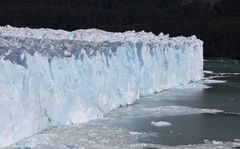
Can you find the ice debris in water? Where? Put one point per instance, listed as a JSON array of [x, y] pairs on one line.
[[160, 124], [135, 133], [217, 142], [54, 77], [208, 72], [208, 81]]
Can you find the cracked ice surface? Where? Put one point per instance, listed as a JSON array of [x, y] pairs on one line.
[[54, 77]]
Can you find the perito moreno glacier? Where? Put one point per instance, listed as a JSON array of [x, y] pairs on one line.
[[54, 77]]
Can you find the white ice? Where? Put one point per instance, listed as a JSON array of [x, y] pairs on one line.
[[158, 111], [71, 90], [208, 72], [135, 133], [209, 81], [160, 124]]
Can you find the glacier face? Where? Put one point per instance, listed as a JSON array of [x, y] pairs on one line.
[[54, 77]]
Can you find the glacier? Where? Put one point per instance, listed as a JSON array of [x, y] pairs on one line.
[[54, 77]]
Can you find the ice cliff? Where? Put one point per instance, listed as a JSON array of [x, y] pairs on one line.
[[54, 77]]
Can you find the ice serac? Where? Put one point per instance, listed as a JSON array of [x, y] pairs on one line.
[[54, 77]]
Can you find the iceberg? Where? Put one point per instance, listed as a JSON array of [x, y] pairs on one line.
[[160, 124], [54, 77]]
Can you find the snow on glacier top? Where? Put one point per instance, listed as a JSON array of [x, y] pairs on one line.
[[95, 35], [16, 42]]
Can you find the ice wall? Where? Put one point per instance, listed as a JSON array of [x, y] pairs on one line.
[[53, 77]]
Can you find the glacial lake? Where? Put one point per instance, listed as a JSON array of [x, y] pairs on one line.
[[195, 128]]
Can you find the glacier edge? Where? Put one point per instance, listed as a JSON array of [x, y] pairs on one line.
[[53, 77]]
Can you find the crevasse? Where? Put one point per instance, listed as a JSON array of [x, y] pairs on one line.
[[54, 77]]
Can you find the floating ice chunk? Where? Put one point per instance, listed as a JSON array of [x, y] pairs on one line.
[[160, 111], [208, 72], [224, 74], [232, 113], [176, 110], [135, 133], [160, 124], [206, 141], [217, 142], [193, 86], [208, 81]]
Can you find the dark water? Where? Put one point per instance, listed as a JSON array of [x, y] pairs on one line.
[[195, 128]]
